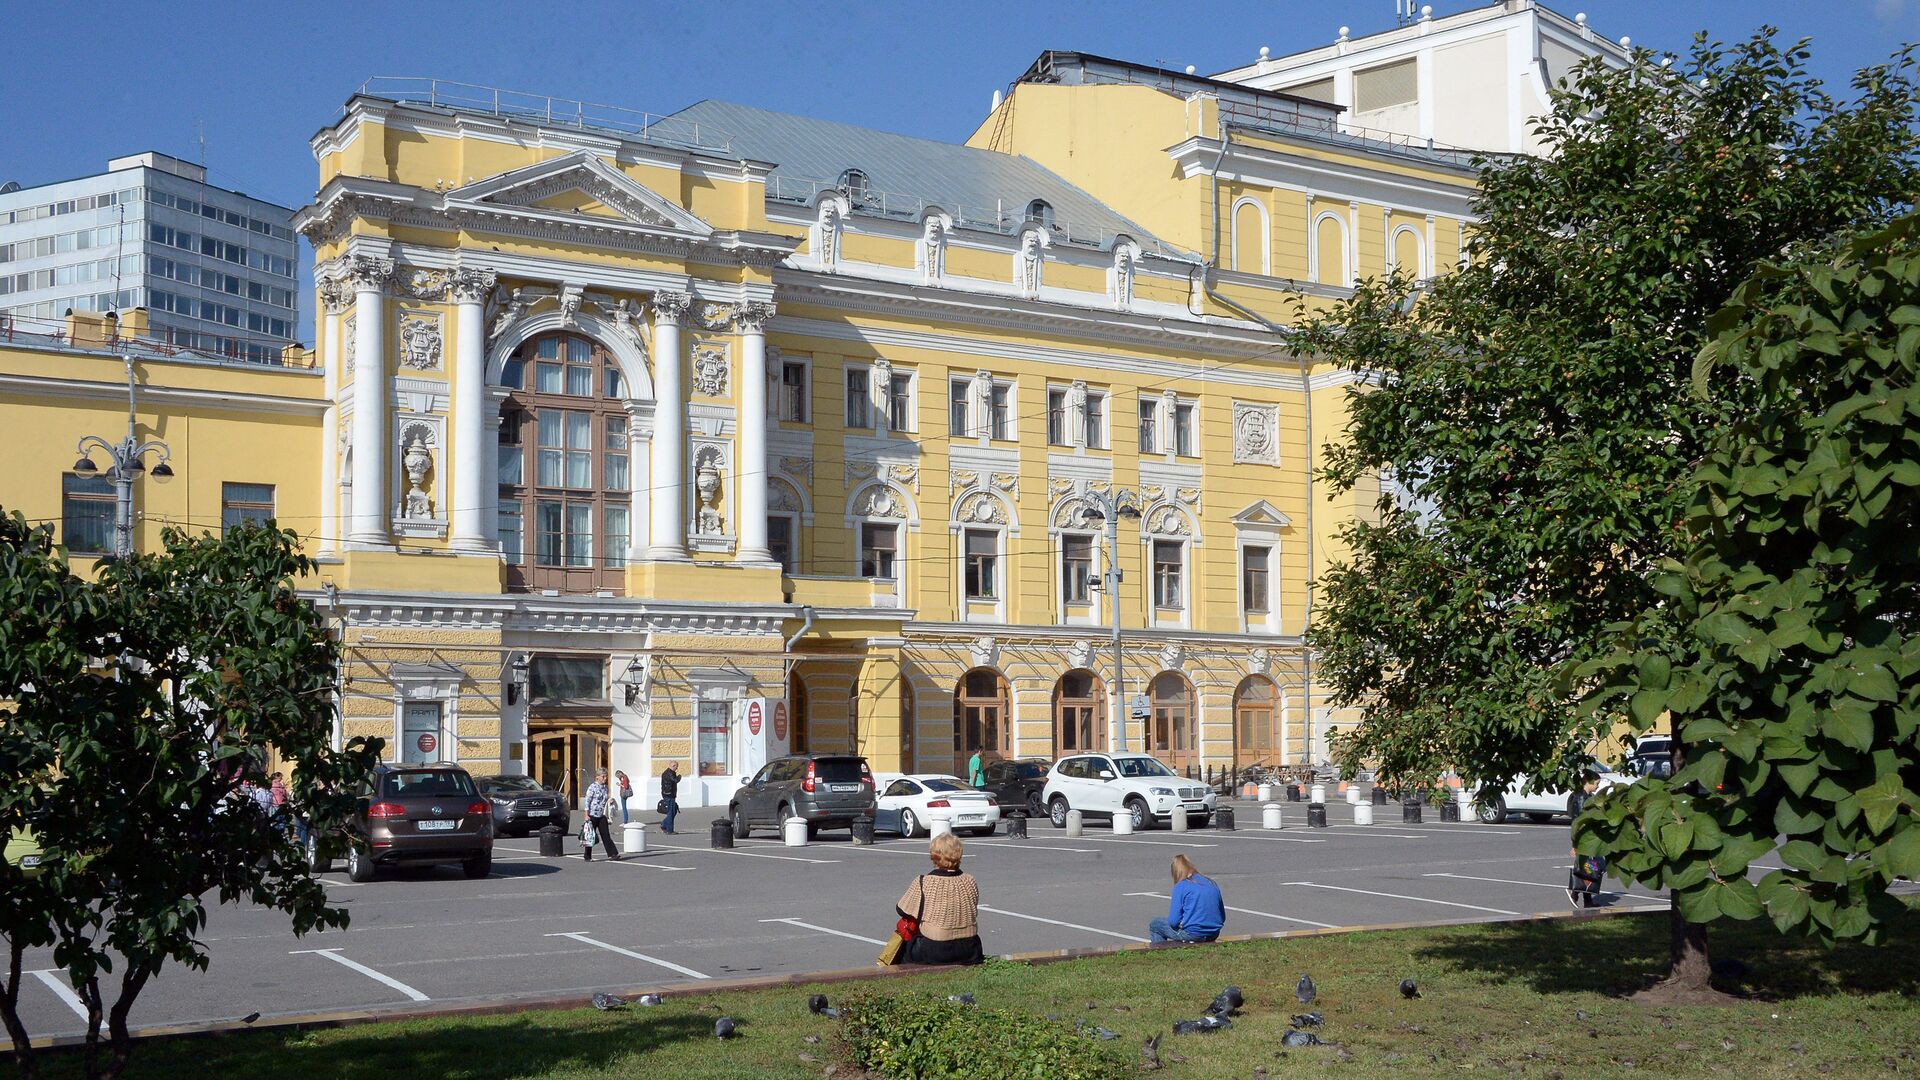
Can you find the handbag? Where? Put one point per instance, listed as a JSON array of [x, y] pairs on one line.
[[907, 927], [890, 953], [586, 832], [660, 807]]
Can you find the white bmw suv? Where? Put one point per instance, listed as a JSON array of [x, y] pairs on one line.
[[1104, 785]]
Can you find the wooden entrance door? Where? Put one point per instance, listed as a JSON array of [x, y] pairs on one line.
[[980, 718], [1173, 732], [565, 759], [1256, 739], [1079, 714]]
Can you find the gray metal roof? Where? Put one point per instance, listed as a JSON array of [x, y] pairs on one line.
[[980, 189]]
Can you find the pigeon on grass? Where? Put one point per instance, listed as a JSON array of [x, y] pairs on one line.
[[725, 1028], [607, 1002], [1306, 991], [1409, 988]]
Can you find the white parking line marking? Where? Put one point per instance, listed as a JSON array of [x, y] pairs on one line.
[[334, 955], [1056, 922], [1117, 840], [1368, 830], [1399, 896], [1544, 885], [749, 855], [656, 961], [58, 984], [1272, 839], [1010, 844], [1250, 911], [825, 930]]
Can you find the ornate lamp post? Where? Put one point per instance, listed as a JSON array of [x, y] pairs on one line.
[[1111, 506], [127, 461]]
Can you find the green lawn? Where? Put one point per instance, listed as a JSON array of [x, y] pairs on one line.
[[1531, 999]]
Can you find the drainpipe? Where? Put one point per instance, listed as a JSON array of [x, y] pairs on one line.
[[806, 612], [1206, 284]]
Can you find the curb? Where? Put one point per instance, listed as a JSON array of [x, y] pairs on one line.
[[574, 999]]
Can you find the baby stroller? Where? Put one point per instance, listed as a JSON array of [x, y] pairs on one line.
[[1583, 880]]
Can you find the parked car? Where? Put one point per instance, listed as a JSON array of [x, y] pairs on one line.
[[521, 805], [1103, 785], [414, 815], [1541, 804], [23, 851], [1652, 756], [916, 800], [830, 791], [1016, 784]]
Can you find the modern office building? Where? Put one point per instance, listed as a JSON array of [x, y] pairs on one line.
[[214, 268]]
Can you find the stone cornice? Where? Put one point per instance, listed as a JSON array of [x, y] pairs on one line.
[[219, 400]]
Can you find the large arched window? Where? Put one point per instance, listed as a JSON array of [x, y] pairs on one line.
[[1079, 711], [565, 503], [1256, 740], [980, 718], [1173, 737]]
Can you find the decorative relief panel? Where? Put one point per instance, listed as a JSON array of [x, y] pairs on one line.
[[420, 341], [1167, 521], [879, 501], [980, 508], [1256, 433], [709, 464], [710, 371], [349, 341], [714, 317], [800, 468]]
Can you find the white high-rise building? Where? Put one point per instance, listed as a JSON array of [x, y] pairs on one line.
[[1472, 80], [215, 268]]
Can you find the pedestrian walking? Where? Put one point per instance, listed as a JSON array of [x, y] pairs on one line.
[[943, 908], [597, 798], [669, 797], [976, 771], [1197, 911], [626, 792]]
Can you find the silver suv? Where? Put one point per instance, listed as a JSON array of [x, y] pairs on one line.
[[830, 791]]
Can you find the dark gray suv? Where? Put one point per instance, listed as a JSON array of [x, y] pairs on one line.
[[829, 790]]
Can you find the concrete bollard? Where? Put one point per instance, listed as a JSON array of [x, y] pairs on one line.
[[1017, 827], [862, 831], [1270, 816], [1465, 799], [1074, 821], [1178, 822], [1410, 812], [1363, 813], [1353, 795], [1264, 793], [1293, 792], [1317, 794], [794, 831], [722, 836], [633, 838], [939, 823], [1317, 815], [1123, 822], [1450, 811], [1223, 818], [1379, 795]]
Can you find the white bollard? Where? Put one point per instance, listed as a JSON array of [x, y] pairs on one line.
[[633, 838], [1178, 822], [1318, 793], [1270, 815], [1123, 822], [1074, 821], [1465, 799], [940, 823], [1266, 793], [795, 831], [1353, 794], [1363, 813]]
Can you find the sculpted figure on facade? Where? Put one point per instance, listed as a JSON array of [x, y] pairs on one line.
[[349, 342], [707, 520], [827, 234], [512, 311], [627, 322], [933, 249], [1124, 255], [416, 459], [1032, 254], [570, 298]]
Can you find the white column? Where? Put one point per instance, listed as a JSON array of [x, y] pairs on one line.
[[750, 465], [333, 294], [369, 275], [470, 429], [668, 475]]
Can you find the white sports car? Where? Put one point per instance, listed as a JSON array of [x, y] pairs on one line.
[[917, 799]]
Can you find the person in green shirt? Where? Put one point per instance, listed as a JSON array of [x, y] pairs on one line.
[[976, 772]]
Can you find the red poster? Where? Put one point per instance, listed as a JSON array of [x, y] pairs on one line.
[[753, 717], [780, 720]]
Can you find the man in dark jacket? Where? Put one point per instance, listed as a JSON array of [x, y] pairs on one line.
[[670, 796]]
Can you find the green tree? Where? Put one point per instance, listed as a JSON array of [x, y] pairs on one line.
[[1533, 407], [1788, 650], [133, 706]]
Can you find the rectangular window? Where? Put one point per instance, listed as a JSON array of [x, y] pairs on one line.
[[618, 533], [1076, 569], [513, 534], [614, 464], [983, 565], [243, 503], [1166, 574], [900, 403], [1000, 414], [1386, 86], [793, 392], [1254, 569], [579, 450], [716, 739], [879, 544], [1149, 419], [86, 511], [780, 541], [567, 680], [859, 399], [1183, 429], [1096, 420], [580, 534], [420, 733], [548, 378], [552, 447], [959, 399], [1057, 417], [550, 526], [512, 455]]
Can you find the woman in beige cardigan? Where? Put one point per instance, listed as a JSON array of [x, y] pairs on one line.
[[947, 903]]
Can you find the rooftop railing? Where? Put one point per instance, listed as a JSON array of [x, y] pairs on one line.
[[549, 110]]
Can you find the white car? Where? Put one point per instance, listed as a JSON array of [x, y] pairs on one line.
[[1105, 785], [1541, 804], [921, 797]]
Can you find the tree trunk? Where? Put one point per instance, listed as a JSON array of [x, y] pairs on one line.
[[1690, 967], [131, 983], [10, 1012]]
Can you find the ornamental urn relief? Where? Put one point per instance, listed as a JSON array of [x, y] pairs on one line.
[[416, 461], [706, 486]]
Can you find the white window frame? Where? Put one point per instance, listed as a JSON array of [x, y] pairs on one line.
[[860, 548], [1266, 236], [1346, 247], [883, 417], [1003, 578], [1067, 424], [1181, 616], [806, 390], [1172, 420], [1103, 431], [970, 423], [1259, 526], [1421, 272], [1012, 431], [847, 397], [1073, 612]]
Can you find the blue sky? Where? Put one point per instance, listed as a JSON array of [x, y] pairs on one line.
[[82, 83]]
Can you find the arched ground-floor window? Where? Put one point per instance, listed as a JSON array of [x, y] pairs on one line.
[[1173, 736], [1079, 713], [981, 720], [1256, 735]]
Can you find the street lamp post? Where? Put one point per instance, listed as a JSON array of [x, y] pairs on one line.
[[1112, 506], [127, 459]]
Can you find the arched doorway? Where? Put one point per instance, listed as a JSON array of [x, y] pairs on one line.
[[1172, 735], [980, 718], [797, 715], [1079, 713], [1256, 737]]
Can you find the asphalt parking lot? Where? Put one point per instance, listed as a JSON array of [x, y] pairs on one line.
[[683, 913]]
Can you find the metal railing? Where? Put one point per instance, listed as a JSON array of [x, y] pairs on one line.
[[1290, 121], [549, 110]]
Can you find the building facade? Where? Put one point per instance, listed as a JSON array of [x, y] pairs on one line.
[[630, 440], [213, 268]]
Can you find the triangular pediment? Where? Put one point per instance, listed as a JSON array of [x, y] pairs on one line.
[[1263, 514], [578, 185]]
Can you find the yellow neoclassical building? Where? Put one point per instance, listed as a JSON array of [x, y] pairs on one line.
[[634, 439]]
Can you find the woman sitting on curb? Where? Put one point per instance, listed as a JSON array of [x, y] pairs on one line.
[[947, 903], [1197, 911]]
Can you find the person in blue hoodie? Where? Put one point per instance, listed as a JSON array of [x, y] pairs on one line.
[[1197, 911]]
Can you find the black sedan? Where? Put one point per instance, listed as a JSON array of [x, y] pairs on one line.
[[1016, 784], [521, 805]]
